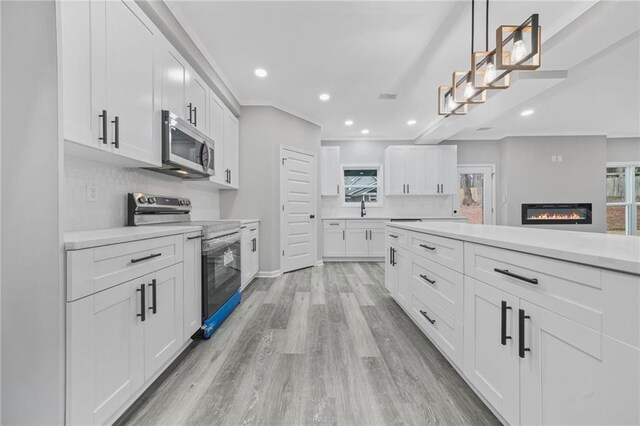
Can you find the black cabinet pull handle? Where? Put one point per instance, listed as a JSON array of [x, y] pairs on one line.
[[408, 190], [503, 323], [142, 313], [253, 229], [521, 348], [116, 140], [366, 235], [519, 277], [104, 126], [424, 277], [391, 256], [424, 314], [194, 238], [338, 189], [195, 116], [393, 236], [190, 106], [151, 256], [154, 308], [343, 234], [427, 247]]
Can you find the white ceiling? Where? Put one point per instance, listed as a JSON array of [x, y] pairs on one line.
[[357, 50]]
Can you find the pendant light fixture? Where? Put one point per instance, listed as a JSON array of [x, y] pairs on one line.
[[518, 47], [464, 90], [484, 72]]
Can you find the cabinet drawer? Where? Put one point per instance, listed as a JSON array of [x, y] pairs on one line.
[[396, 237], [96, 269], [443, 285], [445, 251], [338, 224], [365, 224], [571, 289], [441, 327]]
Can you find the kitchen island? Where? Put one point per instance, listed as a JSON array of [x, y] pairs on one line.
[[544, 325]]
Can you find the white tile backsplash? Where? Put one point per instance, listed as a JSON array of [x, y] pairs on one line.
[[113, 183], [393, 207]]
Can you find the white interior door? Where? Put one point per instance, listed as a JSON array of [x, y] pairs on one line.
[[476, 189], [297, 195]]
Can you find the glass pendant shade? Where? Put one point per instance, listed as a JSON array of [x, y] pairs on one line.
[[518, 47], [464, 91], [447, 105], [485, 74]]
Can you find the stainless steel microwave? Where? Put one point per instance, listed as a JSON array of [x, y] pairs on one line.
[[186, 151]]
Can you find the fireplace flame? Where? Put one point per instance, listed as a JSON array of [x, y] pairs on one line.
[[557, 216]]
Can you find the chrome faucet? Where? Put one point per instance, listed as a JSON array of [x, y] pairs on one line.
[[363, 210]]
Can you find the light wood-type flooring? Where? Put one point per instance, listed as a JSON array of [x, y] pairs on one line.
[[324, 345]]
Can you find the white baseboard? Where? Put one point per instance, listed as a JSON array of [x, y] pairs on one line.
[[269, 274], [354, 259], [319, 263]]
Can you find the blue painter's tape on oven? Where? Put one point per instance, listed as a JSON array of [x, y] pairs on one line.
[[212, 323]]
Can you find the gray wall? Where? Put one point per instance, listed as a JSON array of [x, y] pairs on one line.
[[262, 130], [32, 296], [532, 177], [623, 149]]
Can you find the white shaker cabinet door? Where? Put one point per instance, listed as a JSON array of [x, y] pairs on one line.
[[394, 165], [105, 352], [197, 101], [163, 327], [357, 244], [82, 53], [412, 166], [216, 132], [571, 374], [390, 271], [402, 263], [428, 173], [232, 148], [334, 242], [331, 173], [192, 273], [448, 173], [246, 258], [173, 69], [490, 362], [130, 81], [377, 242]]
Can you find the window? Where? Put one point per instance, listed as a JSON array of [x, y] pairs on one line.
[[362, 183], [623, 199]]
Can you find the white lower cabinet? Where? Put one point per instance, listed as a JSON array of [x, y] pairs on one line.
[[121, 336], [192, 284], [354, 238], [357, 242], [249, 252], [543, 341]]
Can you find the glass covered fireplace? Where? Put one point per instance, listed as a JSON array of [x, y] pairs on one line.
[[545, 214]]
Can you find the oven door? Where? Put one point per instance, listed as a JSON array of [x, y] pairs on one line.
[[185, 146], [220, 271]]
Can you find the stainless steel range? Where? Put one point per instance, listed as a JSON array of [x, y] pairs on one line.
[[221, 273]]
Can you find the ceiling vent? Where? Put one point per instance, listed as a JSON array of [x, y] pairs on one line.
[[388, 96], [483, 129]]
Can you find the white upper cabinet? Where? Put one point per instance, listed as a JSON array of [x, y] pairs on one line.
[[331, 173], [130, 83], [394, 170], [197, 101], [216, 132], [173, 73], [231, 149], [108, 64], [420, 170]]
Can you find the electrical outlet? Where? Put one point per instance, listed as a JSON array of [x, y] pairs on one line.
[[559, 158], [92, 192], [554, 158]]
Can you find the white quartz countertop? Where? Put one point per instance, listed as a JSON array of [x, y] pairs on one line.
[[616, 252], [457, 218], [242, 221], [78, 240]]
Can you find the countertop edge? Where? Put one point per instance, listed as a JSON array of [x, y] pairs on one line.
[[82, 243], [602, 262]]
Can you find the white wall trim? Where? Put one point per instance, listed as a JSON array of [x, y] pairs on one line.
[[354, 259], [623, 163], [269, 274], [319, 263]]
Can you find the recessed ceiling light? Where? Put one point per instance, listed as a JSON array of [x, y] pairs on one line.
[[348, 123], [262, 73], [365, 131], [324, 97], [526, 112], [411, 122]]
